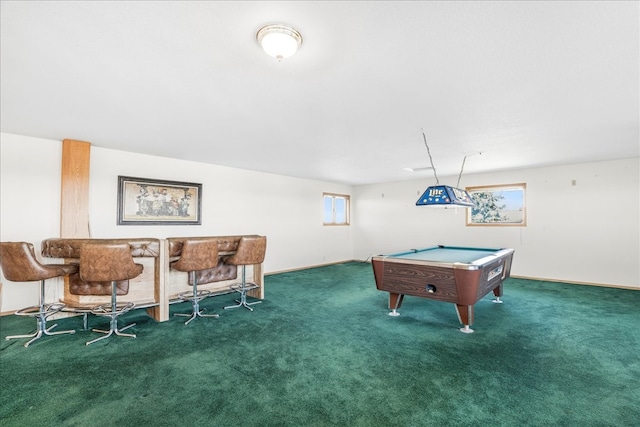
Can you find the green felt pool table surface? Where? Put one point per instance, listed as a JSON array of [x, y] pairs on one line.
[[449, 254]]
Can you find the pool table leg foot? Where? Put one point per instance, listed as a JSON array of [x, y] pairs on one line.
[[466, 329], [394, 313], [497, 300]]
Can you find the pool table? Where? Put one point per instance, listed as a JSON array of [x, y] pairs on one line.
[[459, 275]]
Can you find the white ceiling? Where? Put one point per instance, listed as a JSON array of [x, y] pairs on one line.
[[525, 83]]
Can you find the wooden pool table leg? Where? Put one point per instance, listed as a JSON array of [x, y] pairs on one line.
[[465, 315], [395, 301], [497, 292]]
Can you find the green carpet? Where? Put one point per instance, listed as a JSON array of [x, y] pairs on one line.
[[321, 351]]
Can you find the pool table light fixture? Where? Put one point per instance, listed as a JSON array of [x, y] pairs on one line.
[[444, 196]]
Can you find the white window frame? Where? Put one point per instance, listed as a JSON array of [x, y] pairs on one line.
[[347, 213], [500, 213]]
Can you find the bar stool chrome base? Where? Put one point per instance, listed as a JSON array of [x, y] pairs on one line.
[[40, 313], [112, 330], [242, 302], [195, 298], [112, 311]]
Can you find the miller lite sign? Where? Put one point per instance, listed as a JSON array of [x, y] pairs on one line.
[[443, 195]]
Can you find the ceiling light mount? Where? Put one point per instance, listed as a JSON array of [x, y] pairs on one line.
[[279, 40]]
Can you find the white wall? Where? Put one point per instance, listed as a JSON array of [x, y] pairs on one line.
[[30, 173], [234, 201], [583, 233], [287, 210]]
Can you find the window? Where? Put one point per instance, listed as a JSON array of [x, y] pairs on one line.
[[336, 209], [498, 205]]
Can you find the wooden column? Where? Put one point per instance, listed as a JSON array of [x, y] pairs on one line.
[[258, 279], [160, 312], [74, 194]]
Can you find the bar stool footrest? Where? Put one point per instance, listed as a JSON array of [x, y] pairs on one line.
[[189, 296], [37, 311], [248, 287], [107, 309]]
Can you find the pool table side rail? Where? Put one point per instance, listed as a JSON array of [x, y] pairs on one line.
[[411, 279]]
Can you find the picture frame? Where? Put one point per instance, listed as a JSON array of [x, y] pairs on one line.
[[501, 205], [143, 201]]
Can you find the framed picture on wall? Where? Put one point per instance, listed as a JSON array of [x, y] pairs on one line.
[[143, 201], [498, 205]]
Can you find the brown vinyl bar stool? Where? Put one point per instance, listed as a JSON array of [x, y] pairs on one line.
[[109, 262], [251, 250], [196, 255], [19, 264]]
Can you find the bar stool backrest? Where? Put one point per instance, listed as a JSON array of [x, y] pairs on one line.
[[197, 255], [105, 262], [251, 250], [19, 263]]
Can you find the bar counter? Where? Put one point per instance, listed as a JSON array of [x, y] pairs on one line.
[[158, 286]]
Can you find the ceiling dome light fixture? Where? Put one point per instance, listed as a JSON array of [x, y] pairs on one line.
[[279, 41]]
